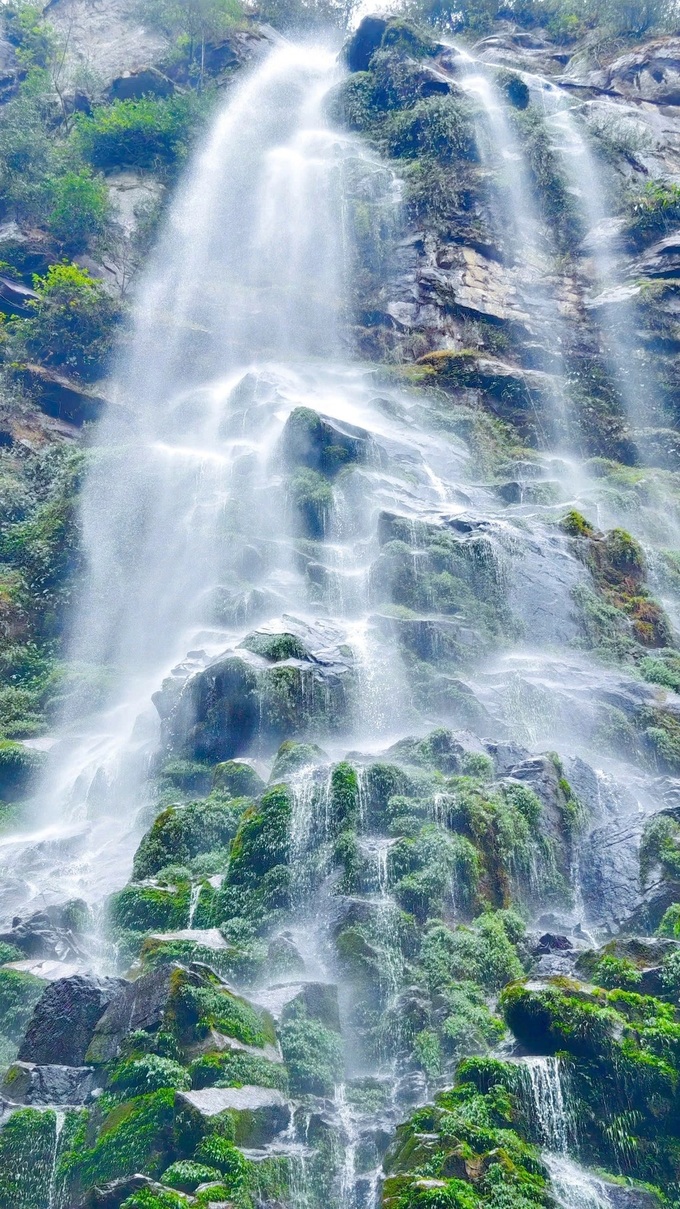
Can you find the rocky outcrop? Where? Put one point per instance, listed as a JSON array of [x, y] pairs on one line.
[[64, 1020], [258, 1113], [47, 1085]]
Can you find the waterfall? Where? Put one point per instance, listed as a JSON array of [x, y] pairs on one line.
[[548, 1102], [610, 304], [187, 528], [520, 218], [575, 1188]]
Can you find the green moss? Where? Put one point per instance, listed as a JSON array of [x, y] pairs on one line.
[[237, 1070], [292, 756], [652, 213], [180, 833], [313, 1055], [576, 525], [149, 908], [262, 840], [136, 1135], [238, 779], [312, 497], [151, 133], [464, 1151], [199, 1003]]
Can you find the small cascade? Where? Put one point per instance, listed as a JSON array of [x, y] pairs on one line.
[[610, 303], [60, 1118], [574, 1187], [350, 1138], [520, 216], [309, 825], [193, 903], [548, 1102]]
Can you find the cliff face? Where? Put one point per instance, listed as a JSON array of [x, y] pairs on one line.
[[579, 287], [402, 920]]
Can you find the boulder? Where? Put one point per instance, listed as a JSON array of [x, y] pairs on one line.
[[63, 397], [28, 1083], [141, 82], [243, 699], [649, 74], [258, 1113], [364, 42], [239, 778], [138, 1005], [549, 942], [64, 1019], [51, 934], [324, 444]]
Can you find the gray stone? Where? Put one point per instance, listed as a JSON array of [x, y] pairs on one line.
[[28, 1083], [64, 1019], [259, 1113], [63, 397], [138, 1005]]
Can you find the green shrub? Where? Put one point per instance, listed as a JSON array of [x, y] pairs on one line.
[[237, 1070], [136, 1135], [653, 213], [313, 1055], [151, 133], [72, 323], [138, 1076], [187, 1175], [149, 908], [79, 209], [483, 953], [181, 833]]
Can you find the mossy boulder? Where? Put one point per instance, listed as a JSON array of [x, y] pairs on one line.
[[323, 445], [143, 908], [257, 1114], [238, 779], [292, 756], [181, 833]]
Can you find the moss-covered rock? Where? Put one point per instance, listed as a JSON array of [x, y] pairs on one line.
[[181, 833]]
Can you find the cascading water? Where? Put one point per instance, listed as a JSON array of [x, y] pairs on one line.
[[247, 282], [196, 535]]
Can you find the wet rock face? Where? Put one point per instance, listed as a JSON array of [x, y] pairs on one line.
[[651, 74], [137, 1005], [29, 1083], [300, 684], [64, 1019], [259, 1114]]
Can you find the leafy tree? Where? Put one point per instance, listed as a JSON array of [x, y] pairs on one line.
[[193, 23]]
